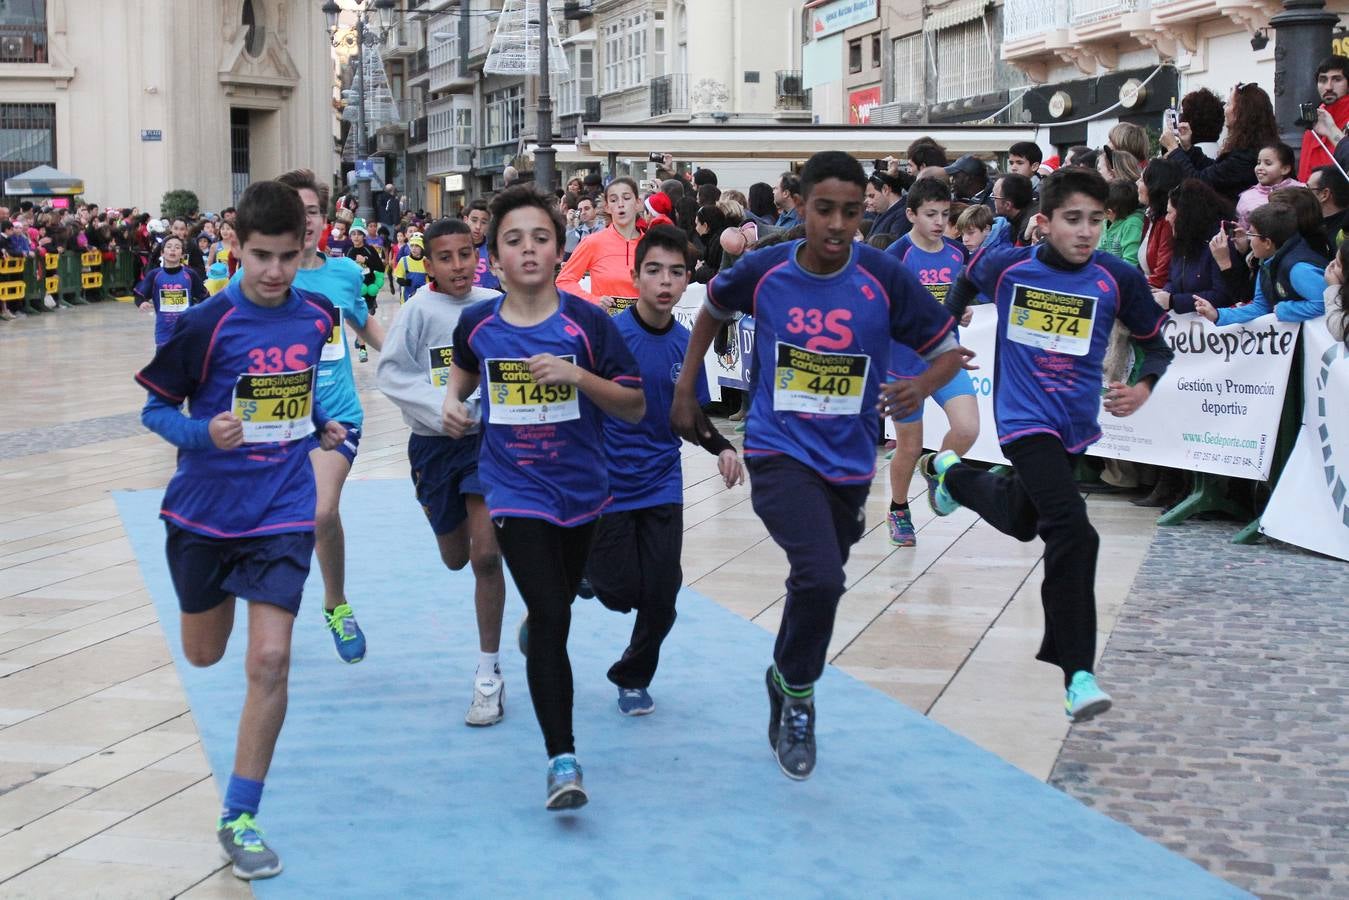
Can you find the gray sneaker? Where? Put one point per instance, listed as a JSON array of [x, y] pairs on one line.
[[565, 788], [796, 738], [242, 844]]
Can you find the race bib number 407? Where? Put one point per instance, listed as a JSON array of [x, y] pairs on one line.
[[825, 384], [515, 398], [1051, 320], [275, 407]]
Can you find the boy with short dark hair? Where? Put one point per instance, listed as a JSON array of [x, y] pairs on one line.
[[414, 370], [634, 560], [169, 289], [479, 217], [1056, 302], [936, 260], [826, 311], [239, 510], [1291, 279], [1024, 158]]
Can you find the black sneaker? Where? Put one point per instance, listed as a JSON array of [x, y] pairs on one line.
[[796, 738], [774, 708], [584, 590]]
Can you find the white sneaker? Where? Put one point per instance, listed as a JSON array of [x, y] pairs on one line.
[[489, 702]]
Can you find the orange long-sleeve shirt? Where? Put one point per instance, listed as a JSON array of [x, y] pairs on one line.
[[609, 258]]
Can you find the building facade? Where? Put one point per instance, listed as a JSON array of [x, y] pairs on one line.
[[905, 62], [140, 98], [1107, 61]]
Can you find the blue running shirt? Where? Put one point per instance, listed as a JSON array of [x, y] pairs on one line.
[[644, 459], [821, 345], [223, 352], [1053, 328], [483, 276], [171, 291], [542, 452], [338, 280], [937, 271]]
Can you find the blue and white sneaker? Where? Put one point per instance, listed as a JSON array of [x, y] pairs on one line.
[[933, 467], [635, 702], [565, 790], [1085, 700], [347, 635]]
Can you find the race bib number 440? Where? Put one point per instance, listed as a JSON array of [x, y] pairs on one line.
[[825, 384], [275, 407], [1051, 320], [515, 398]]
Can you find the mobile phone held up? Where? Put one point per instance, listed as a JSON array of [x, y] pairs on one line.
[[1230, 229], [1306, 115], [655, 157], [1171, 120]]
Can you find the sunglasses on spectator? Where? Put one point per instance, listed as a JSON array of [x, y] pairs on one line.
[[1252, 235]]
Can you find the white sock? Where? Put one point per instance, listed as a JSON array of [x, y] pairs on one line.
[[487, 665]]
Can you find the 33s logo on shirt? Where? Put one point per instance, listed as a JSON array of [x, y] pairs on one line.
[[829, 331], [274, 359]]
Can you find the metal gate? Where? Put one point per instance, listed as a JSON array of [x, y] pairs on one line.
[[238, 152]]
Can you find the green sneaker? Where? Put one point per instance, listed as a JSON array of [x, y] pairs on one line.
[[1085, 700], [242, 844], [933, 467], [347, 635]]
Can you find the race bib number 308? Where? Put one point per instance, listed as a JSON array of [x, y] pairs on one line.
[[515, 398], [1051, 320], [825, 384], [173, 300], [275, 407]]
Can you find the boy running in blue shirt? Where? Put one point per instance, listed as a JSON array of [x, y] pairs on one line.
[[414, 369], [1057, 302], [169, 290], [936, 260], [551, 366], [634, 561], [478, 217], [825, 312], [338, 280], [239, 510]]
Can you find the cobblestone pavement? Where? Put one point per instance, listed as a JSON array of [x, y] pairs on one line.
[[69, 435], [1230, 741]]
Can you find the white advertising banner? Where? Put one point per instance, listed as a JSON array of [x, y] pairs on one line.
[[1310, 505], [1216, 410], [717, 367]]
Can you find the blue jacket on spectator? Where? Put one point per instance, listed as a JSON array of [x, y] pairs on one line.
[[1291, 283], [1188, 277]]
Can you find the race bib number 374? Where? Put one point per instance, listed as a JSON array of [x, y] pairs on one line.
[[515, 398], [825, 384], [1051, 320], [275, 407]]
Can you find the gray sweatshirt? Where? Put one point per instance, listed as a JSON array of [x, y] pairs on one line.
[[414, 364]]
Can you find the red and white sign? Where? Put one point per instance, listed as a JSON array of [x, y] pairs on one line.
[[861, 103]]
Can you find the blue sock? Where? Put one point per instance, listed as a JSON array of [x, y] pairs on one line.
[[243, 795]]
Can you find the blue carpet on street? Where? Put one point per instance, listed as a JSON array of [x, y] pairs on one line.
[[379, 789]]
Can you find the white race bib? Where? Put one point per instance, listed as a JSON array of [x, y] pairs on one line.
[[517, 399], [173, 299], [275, 407], [1051, 320], [335, 347], [824, 384]]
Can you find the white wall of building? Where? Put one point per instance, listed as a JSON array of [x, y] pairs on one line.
[[119, 67]]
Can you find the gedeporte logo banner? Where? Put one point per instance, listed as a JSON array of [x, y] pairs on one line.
[[1217, 408], [1310, 506]]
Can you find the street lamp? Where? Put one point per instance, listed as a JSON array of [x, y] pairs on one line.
[[384, 9]]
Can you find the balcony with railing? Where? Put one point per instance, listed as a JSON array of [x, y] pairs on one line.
[[23, 43], [791, 93], [669, 96], [1092, 33]]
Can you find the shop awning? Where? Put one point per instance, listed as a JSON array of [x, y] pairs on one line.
[[44, 181], [957, 12], [791, 142]]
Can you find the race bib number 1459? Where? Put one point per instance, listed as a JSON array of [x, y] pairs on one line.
[[515, 398]]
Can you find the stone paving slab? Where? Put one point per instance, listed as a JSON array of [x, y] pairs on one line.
[[1229, 742], [70, 434]]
